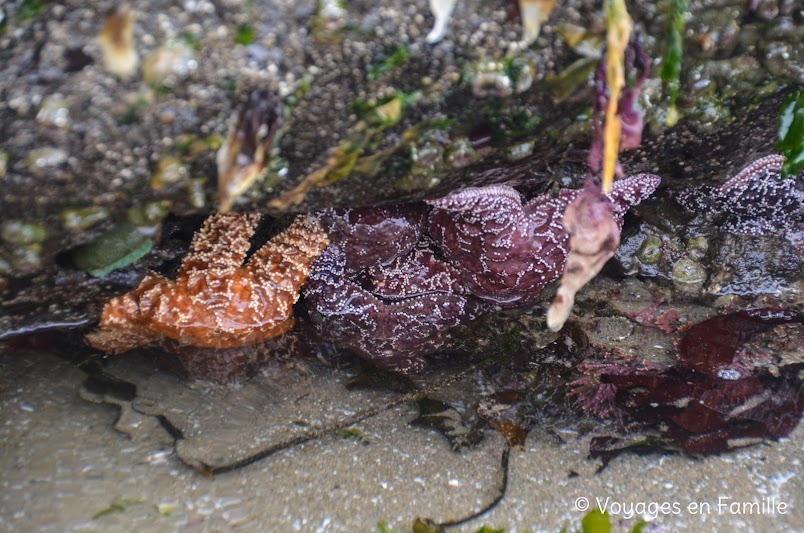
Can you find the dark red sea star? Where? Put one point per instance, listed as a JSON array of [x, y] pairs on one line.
[[393, 333], [216, 301], [507, 250]]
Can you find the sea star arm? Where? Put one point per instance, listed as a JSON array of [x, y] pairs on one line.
[[494, 202], [284, 262], [220, 247]]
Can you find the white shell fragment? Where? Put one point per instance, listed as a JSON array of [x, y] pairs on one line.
[[442, 11]]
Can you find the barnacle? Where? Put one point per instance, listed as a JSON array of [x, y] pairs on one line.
[[246, 151], [116, 41]]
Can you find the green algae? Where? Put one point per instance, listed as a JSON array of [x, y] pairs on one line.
[[134, 111], [245, 35], [791, 134], [396, 59], [354, 434], [17, 232], [569, 80], [29, 9], [22, 252], [119, 506], [670, 70], [115, 249], [124, 243]]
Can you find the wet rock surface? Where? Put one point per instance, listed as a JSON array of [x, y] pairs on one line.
[[77, 138]]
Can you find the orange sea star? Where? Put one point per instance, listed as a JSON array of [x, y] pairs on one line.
[[217, 301]]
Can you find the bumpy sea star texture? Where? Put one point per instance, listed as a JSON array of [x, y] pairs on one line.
[[217, 301], [756, 201], [393, 333], [508, 250], [414, 274], [370, 236], [391, 285], [383, 290]]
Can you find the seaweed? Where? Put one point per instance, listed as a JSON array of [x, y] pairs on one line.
[[791, 135], [670, 69], [711, 402]]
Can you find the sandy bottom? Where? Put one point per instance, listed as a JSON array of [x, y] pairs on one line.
[[65, 467]]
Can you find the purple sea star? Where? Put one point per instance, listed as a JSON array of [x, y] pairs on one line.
[[393, 333], [372, 236], [507, 251], [415, 274], [756, 201]]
